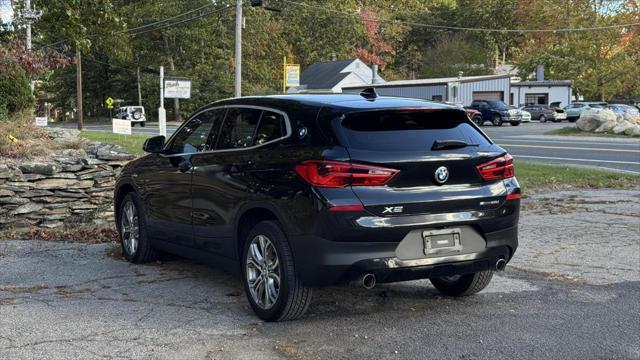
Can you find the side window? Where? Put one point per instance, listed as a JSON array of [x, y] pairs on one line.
[[475, 104], [272, 126], [195, 135], [484, 105], [238, 128]]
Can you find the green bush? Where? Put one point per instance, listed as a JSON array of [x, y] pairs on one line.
[[15, 93]]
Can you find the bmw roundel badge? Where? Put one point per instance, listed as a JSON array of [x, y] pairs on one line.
[[442, 175]]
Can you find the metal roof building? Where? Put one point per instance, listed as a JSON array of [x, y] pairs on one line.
[[461, 90]]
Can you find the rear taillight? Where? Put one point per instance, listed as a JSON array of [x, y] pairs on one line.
[[340, 174], [500, 168]]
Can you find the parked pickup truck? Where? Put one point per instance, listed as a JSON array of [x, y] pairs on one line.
[[497, 112]]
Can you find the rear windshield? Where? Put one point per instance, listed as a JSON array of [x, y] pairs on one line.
[[411, 130]]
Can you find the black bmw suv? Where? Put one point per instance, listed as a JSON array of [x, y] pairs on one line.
[[303, 191]]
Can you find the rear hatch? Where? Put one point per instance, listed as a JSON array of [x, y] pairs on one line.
[[419, 143]]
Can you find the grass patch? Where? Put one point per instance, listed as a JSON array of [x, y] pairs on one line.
[[533, 176], [131, 143], [28, 140], [574, 131]]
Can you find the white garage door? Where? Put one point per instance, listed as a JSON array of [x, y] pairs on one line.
[[488, 95]]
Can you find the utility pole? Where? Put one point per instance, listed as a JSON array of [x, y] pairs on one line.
[[27, 5], [238, 50], [79, 89], [139, 91], [29, 16], [162, 114]]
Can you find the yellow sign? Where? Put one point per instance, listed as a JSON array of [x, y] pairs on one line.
[[12, 138], [292, 72], [109, 103]]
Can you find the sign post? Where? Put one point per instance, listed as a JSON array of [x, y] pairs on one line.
[[121, 126], [162, 114], [177, 89], [41, 121], [291, 75], [109, 103]]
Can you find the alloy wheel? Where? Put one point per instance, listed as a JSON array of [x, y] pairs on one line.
[[129, 228], [263, 272]]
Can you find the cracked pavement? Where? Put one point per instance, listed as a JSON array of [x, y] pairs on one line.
[[570, 292]]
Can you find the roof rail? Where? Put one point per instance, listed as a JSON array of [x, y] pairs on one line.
[[369, 93]]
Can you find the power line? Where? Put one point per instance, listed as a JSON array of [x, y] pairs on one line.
[[182, 21], [446, 27], [163, 20], [57, 43]]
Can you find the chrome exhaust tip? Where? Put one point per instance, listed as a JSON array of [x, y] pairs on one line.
[[501, 264], [368, 281]]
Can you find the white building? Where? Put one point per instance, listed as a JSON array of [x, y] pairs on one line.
[[544, 92], [333, 76], [460, 90]]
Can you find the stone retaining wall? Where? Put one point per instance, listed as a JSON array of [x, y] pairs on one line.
[[72, 187]]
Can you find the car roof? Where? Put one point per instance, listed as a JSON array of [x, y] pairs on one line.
[[344, 102]]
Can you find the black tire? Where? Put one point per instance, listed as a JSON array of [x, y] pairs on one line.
[[144, 252], [463, 285], [142, 124], [478, 120], [543, 119], [293, 297], [496, 120], [515, 123]]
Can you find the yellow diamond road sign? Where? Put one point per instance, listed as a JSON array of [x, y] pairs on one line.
[[109, 102]]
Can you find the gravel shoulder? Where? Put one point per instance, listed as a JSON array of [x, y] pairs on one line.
[[560, 298]]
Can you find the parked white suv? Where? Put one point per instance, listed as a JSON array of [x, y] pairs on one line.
[[135, 114], [574, 110]]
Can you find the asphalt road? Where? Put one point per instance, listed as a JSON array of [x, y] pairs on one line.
[[526, 142], [571, 292]]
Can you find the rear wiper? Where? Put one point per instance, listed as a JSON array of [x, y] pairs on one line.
[[450, 144]]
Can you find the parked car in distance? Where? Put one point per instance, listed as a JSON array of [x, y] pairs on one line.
[[303, 191], [624, 111], [544, 113], [574, 110], [135, 114], [525, 115], [497, 112], [474, 115]]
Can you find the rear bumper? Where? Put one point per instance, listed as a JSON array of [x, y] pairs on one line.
[[321, 262]]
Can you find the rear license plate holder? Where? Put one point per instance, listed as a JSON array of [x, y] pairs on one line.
[[442, 241]]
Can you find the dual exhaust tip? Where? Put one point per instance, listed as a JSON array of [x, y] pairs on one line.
[[368, 280]]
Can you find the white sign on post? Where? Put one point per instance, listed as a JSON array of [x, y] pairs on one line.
[[121, 126], [177, 89], [41, 121]]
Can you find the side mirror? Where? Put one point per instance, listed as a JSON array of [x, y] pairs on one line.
[[154, 144]]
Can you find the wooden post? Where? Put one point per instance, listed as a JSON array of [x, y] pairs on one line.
[[79, 89]]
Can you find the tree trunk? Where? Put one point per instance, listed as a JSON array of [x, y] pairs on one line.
[[172, 68]]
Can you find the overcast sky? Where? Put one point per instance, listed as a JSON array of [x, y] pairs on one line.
[[5, 11]]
